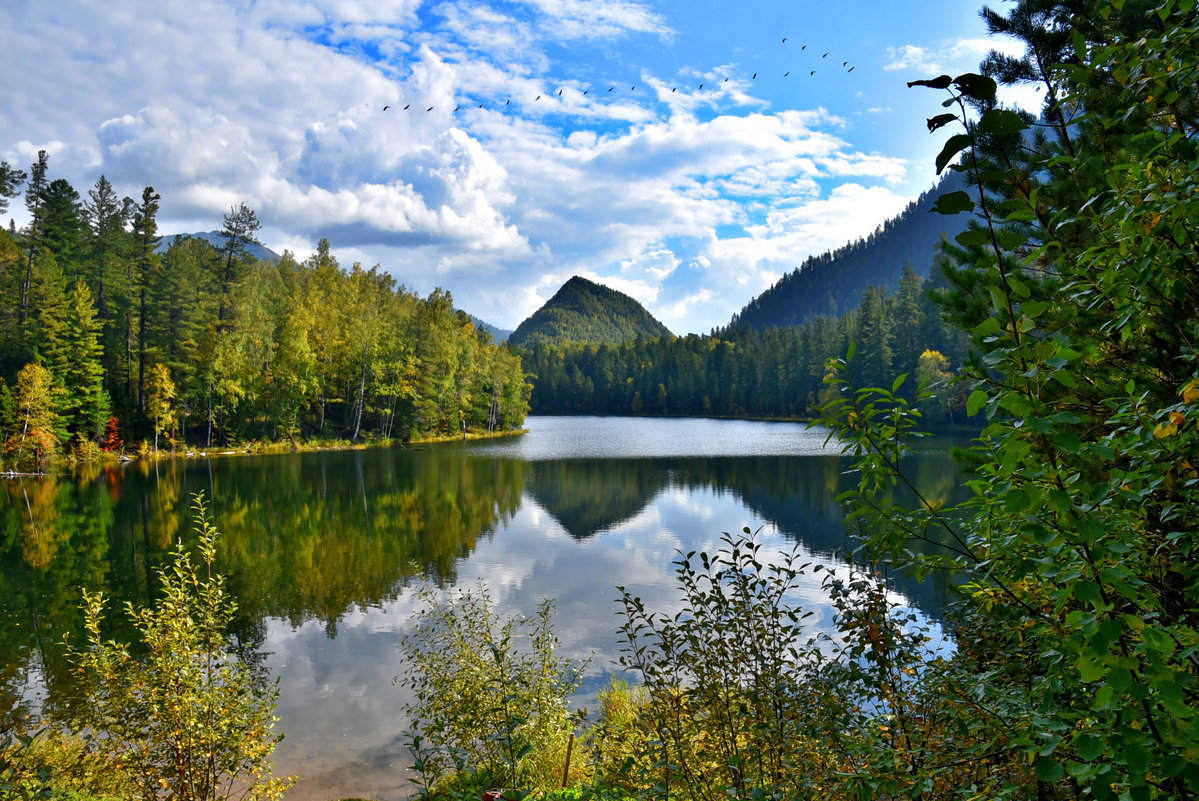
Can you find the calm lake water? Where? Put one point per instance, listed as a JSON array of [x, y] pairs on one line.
[[323, 551]]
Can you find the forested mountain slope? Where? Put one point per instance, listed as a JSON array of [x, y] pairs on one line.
[[833, 282], [220, 242], [584, 311]]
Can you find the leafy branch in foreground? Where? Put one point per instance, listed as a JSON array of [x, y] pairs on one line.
[[490, 697], [186, 720], [1078, 565]]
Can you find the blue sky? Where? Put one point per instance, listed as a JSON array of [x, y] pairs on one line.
[[594, 151]]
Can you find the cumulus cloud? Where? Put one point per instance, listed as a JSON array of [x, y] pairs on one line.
[[690, 200]]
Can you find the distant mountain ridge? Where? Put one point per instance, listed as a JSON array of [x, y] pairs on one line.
[[833, 282], [499, 335], [217, 240], [584, 311]]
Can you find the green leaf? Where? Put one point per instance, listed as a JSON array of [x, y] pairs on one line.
[[998, 299], [1080, 46], [978, 398], [1090, 669], [972, 237], [954, 145], [1049, 769], [987, 326], [1088, 746], [953, 203], [979, 87], [940, 121], [1086, 591], [1001, 122]]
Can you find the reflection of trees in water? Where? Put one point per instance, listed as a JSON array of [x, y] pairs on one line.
[[309, 536], [53, 540], [795, 494], [302, 538]]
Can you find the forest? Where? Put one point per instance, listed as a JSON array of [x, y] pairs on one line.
[[775, 372], [105, 340]]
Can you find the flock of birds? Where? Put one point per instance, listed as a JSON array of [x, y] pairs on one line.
[[845, 65]]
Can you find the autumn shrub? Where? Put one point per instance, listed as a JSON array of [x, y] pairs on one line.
[[52, 763], [490, 697], [733, 697], [180, 715]]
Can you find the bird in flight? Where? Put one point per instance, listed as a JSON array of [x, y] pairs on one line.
[[755, 77], [457, 108], [813, 72], [559, 93], [785, 74], [386, 107], [406, 107], [825, 55], [430, 108], [784, 40], [850, 69]]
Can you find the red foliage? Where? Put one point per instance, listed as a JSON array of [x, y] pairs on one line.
[[112, 436]]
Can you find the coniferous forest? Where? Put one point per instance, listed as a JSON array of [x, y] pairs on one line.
[[103, 338], [765, 373]]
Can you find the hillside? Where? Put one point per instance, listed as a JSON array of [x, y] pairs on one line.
[[832, 283], [217, 240], [584, 311], [498, 335]]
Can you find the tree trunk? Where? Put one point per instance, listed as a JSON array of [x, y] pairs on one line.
[[361, 395]]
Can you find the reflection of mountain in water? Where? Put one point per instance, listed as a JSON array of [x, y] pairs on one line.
[[795, 494], [589, 496]]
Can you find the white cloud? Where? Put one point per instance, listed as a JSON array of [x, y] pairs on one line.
[[953, 55], [598, 19], [686, 199]]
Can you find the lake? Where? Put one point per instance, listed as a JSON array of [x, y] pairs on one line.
[[323, 550]]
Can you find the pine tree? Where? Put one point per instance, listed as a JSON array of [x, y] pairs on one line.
[[10, 181], [73, 355], [145, 234], [62, 225], [106, 216], [34, 191], [241, 223]]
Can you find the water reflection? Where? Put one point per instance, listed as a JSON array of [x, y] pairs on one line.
[[320, 548]]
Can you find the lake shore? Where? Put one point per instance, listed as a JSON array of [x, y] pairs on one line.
[[252, 448]]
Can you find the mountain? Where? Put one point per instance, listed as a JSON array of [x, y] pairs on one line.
[[498, 335], [217, 240], [584, 311], [832, 283]]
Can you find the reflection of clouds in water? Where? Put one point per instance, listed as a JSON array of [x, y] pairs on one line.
[[338, 703]]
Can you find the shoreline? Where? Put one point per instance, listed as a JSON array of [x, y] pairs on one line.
[[255, 448]]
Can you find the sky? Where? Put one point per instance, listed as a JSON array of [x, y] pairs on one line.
[[495, 149]]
